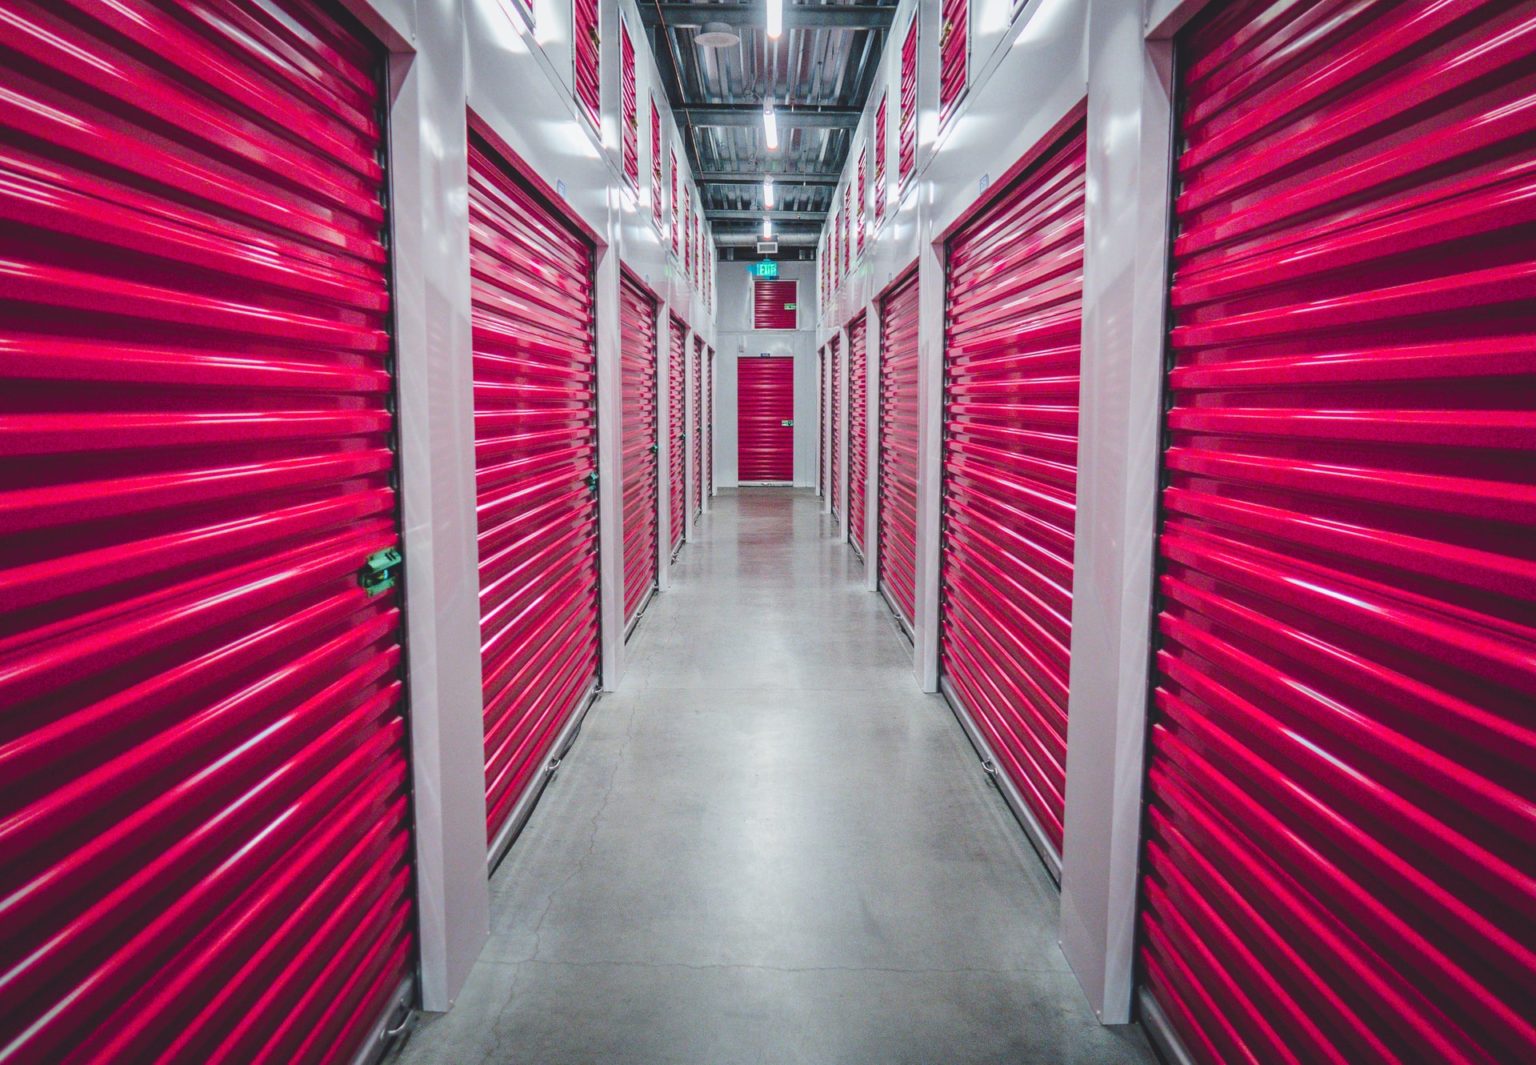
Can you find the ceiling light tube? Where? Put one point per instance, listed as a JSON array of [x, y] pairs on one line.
[[775, 18], [767, 227], [768, 192], [771, 125]]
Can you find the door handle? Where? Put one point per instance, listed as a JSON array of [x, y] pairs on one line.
[[379, 571]]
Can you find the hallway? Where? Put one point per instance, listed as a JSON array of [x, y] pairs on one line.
[[769, 847]]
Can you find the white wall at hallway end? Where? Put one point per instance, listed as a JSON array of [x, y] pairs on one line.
[[733, 317]]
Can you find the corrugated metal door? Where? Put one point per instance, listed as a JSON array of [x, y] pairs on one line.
[[1339, 822], [535, 477], [835, 348], [629, 109], [587, 57], [698, 426], [862, 221], [881, 135], [774, 304], [709, 423], [821, 422], [677, 433], [897, 513], [765, 417], [637, 357], [1013, 331], [204, 837], [906, 114], [954, 55], [836, 228], [858, 439], [656, 153], [848, 224]]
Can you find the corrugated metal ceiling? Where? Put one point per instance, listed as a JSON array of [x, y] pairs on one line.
[[819, 74]]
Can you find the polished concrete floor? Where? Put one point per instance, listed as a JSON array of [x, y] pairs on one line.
[[768, 847]]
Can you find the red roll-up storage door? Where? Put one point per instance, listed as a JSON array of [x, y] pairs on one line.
[[836, 399], [1013, 331], [897, 514], [859, 218], [821, 423], [629, 109], [204, 831], [765, 418], [677, 434], [698, 426], [656, 153], [775, 304], [709, 424], [1339, 822], [587, 58], [637, 356], [677, 220], [535, 471], [848, 223], [858, 439], [906, 112], [954, 55], [881, 135]]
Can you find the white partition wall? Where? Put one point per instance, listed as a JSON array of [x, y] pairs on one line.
[[736, 338]]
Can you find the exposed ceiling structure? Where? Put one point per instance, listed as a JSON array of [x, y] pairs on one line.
[[818, 74]]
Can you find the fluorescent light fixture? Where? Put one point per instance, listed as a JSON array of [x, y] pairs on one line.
[[767, 227], [768, 192], [775, 18], [771, 125], [717, 35]]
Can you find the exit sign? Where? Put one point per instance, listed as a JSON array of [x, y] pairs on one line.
[[768, 268]]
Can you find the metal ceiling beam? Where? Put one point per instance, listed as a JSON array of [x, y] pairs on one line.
[[778, 216], [796, 16], [745, 221], [813, 232], [747, 240], [789, 115], [750, 177]]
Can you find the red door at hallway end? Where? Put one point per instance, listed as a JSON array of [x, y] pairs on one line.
[[765, 417]]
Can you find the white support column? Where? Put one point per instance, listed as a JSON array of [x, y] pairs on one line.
[[1130, 119], [930, 440], [430, 229], [872, 446], [610, 474]]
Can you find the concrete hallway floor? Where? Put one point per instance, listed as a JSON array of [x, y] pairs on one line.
[[769, 847]]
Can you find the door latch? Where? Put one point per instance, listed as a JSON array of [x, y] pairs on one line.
[[655, 449], [592, 481], [787, 422], [378, 573]]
